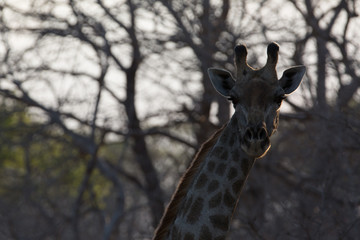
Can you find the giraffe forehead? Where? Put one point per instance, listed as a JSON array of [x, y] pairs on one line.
[[256, 92]]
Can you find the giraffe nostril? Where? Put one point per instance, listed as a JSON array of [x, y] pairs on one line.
[[248, 136], [262, 134]]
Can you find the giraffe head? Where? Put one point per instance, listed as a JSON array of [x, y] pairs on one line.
[[256, 95]]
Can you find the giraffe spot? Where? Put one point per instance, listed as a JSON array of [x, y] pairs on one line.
[[235, 155], [229, 200], [220, 238], [232, 173], [237, 186], [232, 139], [201, 181], [195, 211], [189, 236], [217, 151], [220, 169], [215, 200], [205, 233], [213, 185], [220, 221], [224, 155], [211, 166]]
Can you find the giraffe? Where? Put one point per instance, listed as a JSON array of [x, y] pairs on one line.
[[206, 197]]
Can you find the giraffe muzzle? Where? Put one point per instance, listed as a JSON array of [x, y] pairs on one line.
[[255, 141]]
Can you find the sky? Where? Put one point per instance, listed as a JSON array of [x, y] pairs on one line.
[[156, 84]]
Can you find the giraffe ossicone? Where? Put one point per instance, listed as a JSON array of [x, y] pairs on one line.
[[206, 197]]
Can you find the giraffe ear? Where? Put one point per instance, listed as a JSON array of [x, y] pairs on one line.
[[291, 78], [222, 80]]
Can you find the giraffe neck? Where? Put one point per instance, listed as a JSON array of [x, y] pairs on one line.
[[206, 209]]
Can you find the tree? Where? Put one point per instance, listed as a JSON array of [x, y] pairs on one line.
[[63, 40], [116, 99]]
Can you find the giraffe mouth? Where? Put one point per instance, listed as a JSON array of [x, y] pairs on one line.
[[257, 150], [255, 143]]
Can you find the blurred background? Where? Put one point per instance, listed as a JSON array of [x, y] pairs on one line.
[[103, 104]]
